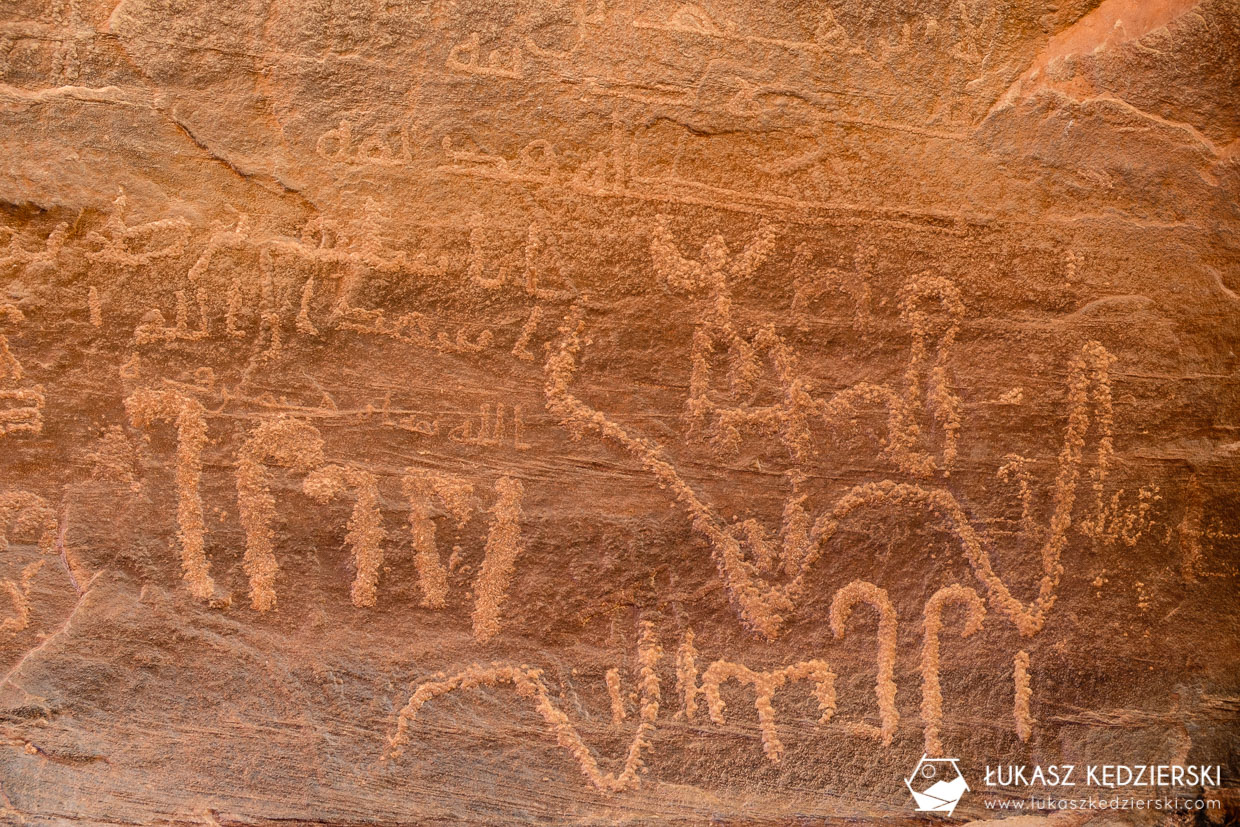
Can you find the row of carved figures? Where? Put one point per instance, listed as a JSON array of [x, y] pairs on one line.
[[296, 445], [693, 683], [764, 582]]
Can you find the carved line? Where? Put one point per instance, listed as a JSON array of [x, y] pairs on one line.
[[613, 693], [420, 487], [686, 675], [1023, 695], [502, 548]]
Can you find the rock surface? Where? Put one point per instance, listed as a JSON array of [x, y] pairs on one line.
[[610, 411]]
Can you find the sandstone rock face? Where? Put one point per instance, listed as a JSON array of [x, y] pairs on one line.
[[613, 411]]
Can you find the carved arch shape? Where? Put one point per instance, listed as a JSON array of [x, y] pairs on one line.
[[861, 591], [146, 407], [529, 685], [931, 688]]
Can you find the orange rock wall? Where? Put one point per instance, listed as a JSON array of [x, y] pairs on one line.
[[610, 411]]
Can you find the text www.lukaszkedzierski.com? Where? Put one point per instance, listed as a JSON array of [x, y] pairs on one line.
[[1161, 803]]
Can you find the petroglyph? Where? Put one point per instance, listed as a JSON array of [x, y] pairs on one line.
[[28, 514], [138, 245], [712, 274], [25, 416], [490, 429], [337, 145], [687, 676], [281, 442], [765, 684], [412, 328], [840, 348], [502, 548], [1114, 524], [23, 413], [764, 577], [618, 713], [523, 266], [829, 38], [1016, 468], [904, 412], [346, 258], [529, 685], [422, 488], [146, 407], [1023, 695], [425, 489], [763, 605], [16, 252], [819, 673], [810, 283], [153, 329], [366, 534], [612, 172], [521, 349], [931, 689], [975, 36], [467, 58], [236, 300], [709, 278], [860, 591], [19, 594]]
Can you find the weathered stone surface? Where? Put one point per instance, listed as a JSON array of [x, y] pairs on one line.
[[613, 412]]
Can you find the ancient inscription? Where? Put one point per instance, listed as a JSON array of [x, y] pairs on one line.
[[616, 412]]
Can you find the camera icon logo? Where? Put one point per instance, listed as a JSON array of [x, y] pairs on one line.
[[936, 785]]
